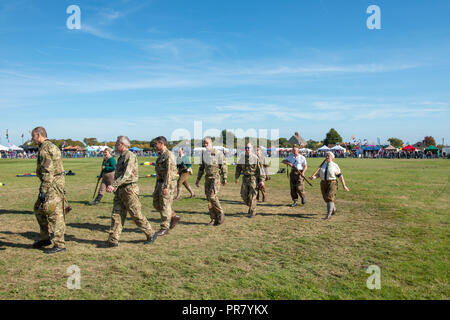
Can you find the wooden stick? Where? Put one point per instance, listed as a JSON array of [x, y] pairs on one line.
[[319, 168]]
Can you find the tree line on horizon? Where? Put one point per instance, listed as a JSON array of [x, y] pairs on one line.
[[331, 138]]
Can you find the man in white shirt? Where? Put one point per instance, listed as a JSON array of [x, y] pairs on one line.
[[298, 165]]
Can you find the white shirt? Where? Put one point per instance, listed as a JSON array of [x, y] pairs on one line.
[[299, 161], [333, 171]]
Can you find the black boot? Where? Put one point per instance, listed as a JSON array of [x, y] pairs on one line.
[[96, 201]]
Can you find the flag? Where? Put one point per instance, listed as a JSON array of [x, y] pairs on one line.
[[22, 135], [7, 136]]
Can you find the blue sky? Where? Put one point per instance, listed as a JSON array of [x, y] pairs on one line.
[[147, 68]]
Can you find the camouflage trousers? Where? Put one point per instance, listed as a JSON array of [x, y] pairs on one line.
[[126, 199], [163, 203], [212, 187], [50, 216], [248, 193]]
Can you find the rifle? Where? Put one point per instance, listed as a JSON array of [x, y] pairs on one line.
[[98, 181], [299, 172], [302, 175]]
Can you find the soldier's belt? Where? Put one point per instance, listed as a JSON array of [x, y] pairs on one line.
[[126, 185]]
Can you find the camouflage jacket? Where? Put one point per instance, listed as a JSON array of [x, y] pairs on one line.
[[166, 168], [126, 169], [49, 167], [213, 164], [250, 166], [265, 163]]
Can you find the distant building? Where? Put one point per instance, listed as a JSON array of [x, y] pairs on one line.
[[297, 139]]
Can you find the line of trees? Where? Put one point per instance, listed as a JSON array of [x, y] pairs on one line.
[[229, 138]]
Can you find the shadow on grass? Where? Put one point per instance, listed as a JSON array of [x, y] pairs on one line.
[[231, 201], [29, 235], [101, 227], [291, 215], [263, 204], [89, 226], [103, 243], [98, 243], [181, 212], [2, 211], [236, 214], [86, 202]]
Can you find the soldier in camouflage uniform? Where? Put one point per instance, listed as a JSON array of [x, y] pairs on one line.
[[252, 170], [126, 195], [214, 165], [166, 185], [51, 205], [265, 164]]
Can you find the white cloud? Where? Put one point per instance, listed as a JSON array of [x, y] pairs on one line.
[[97, 32]]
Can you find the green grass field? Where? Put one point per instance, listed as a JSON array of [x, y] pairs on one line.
[[396, 216]]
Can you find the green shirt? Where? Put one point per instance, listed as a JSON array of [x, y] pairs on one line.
[[183, 163], [110, 165]]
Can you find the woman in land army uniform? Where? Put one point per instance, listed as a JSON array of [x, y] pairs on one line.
[[108, 170], [184, 167], [328, 173]]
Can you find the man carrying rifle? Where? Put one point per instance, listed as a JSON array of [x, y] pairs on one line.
[[107, 175], [298, 165], [51, 205]]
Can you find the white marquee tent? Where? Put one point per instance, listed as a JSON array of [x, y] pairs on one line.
[[15, 148], [323, 148], [338, 148]]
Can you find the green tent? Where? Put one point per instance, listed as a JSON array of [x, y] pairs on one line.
[[431, 148]]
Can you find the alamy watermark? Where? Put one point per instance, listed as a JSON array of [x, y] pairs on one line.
[[74, 20], [74, 279], [257, 137], [374, 280], [374, 21]]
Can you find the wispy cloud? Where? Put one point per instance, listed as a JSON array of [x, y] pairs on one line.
[[97, 32]]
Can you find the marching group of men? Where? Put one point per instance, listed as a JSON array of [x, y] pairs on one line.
[[121, 179]]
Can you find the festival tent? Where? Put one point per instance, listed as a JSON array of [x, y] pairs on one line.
[[390, 148], [306, 150], [338, 148], [371, 147], [323, 148], [409, 148], [135, 149], [431, 148], [74, 148], [3, 148], [15, 148]]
